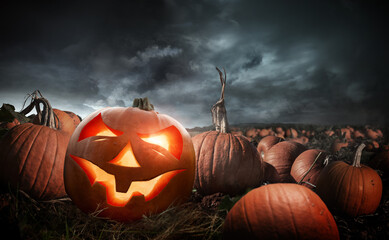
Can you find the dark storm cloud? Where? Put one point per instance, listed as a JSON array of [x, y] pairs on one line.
[[286, 61]]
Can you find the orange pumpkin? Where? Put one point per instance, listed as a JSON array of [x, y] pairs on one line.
[[338, 144], [307, 166], [129, 162], [291, 133], [226, 163], [351, 189], [32, 155], [280, 211], [266, 143], [281, 156]]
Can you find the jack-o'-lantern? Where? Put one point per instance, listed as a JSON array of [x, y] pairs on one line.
[[129, 162]]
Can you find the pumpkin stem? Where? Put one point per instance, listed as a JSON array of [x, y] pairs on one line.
[[143, 103], [358, 155], [310, 168], [218, 110], [46, 117]]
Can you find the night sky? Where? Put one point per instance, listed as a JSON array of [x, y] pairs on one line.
[[313, 61]]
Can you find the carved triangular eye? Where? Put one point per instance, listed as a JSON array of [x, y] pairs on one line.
[[97, 127], [126, 157], [169, 138]]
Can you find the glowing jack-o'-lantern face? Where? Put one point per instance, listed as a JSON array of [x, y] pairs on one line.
[[128, 162]]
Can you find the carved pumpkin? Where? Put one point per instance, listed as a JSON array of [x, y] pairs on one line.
[[280, 211], [32, 155], [351, 189], [305, 169], [129, 162]]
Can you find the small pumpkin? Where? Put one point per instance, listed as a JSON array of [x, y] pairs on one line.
[[291, 133], [32, 155], [281, 156], [129, 162], [373, 134], [280, 132], [280, 211], [251, 133], [358, 134], [226, 163], [301, 140], [307, 166], [266, 143], [338, 144], [350, 189], [265, 132]]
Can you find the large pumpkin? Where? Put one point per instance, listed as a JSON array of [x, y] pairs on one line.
[[32, 155], [226, 163], [280, 211], [351, 189], [129, 162]]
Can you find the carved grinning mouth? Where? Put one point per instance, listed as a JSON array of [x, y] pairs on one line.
[[149, 189]]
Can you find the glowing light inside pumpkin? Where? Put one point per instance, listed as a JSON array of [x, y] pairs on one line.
[[149, 189], [126, 157], [161, 140], [97, 127], [169, 138]]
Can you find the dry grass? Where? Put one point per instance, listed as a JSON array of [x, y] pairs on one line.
[[61, 219]]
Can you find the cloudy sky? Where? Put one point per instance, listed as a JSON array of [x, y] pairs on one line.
[[312, 61]]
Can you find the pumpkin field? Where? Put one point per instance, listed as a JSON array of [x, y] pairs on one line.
[[63, 177]]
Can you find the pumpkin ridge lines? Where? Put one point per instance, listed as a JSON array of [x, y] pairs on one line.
[[41, 162], [16, 139], [245, 215], [346, 203], [337, 183], [213, 157], [273, 222], [250, 152], [51, 172], [360, 203], [241, 156], [228, 152], [291, 213], [29, 151], [199, 182]]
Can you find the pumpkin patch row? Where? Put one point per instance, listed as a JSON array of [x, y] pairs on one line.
[[228, 163], [121, 162]]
